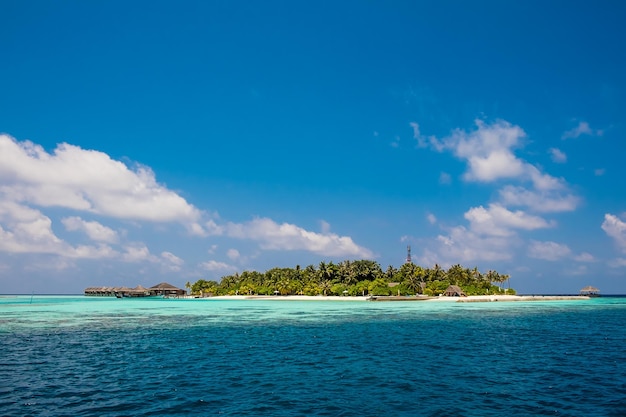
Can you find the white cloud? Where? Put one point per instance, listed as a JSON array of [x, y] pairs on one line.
[[423, 141], [499, 221], [540, 201], [286, 236], [431, 218], [463, 245], [582, 128], [86, 180], [138, 252], [217, 266], [550, 251], [213, 229], [212, 249], [27, 230], [233, 254], [599, 172], [93, 229], [171, 261], [558, 156], [488, 151], [493, 166], [616, 229], [445, 178], [90, 181], [584, 257], [544, 182]]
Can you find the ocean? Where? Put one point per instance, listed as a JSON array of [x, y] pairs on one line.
[[87, 356]]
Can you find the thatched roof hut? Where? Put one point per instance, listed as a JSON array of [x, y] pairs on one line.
[[139, 291], [589, 290], [163, 288], [166, 289], [454, 291]]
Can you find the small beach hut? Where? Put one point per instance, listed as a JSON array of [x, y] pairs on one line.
[[590, 291], [454, 291]]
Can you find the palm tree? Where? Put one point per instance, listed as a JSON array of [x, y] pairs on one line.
[[325, 286], [390, 273], [327, 271], [414, 283], [283, 285]]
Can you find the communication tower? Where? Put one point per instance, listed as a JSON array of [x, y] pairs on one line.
[[408, 254]]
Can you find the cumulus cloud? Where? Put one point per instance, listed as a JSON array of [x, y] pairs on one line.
[[89, 181], [488, 152], [463, 245], [215, 266], [138, 252], [616, 229], [93, 229], [86, 180], [27, 230], [285, 236], [431, 218], [171, 261], [557, 156], [540, 201], [549, 251], [496, 220]]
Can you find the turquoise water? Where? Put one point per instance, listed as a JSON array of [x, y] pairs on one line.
[[82, 356]]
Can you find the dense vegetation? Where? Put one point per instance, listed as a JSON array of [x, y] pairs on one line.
[[362, 277]]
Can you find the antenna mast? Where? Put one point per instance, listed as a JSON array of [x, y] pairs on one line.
[[408, 254]]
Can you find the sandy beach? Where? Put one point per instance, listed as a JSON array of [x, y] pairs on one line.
[[468, 299]]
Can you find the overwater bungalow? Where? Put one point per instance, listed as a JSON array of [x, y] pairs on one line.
[[163, 289], [590, 291], [166, 290]]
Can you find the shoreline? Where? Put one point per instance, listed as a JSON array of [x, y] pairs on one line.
[[393, 298]]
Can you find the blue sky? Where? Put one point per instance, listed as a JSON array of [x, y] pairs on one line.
[[172, 141]]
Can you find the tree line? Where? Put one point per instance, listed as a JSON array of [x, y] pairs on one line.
[[360, 277]]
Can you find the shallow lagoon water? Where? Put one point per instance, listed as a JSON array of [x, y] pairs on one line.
[[141, 357]]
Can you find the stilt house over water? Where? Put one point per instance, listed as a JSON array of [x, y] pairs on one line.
[[590, 291], [163, 289]]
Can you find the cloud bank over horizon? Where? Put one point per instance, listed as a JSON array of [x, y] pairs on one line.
[[88, 185]]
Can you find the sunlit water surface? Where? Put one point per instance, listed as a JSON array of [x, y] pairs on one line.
[[83, 356]]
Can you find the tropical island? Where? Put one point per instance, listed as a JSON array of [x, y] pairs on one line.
[[356, 278]]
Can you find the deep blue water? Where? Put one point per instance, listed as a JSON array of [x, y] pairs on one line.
[[81, 356]]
